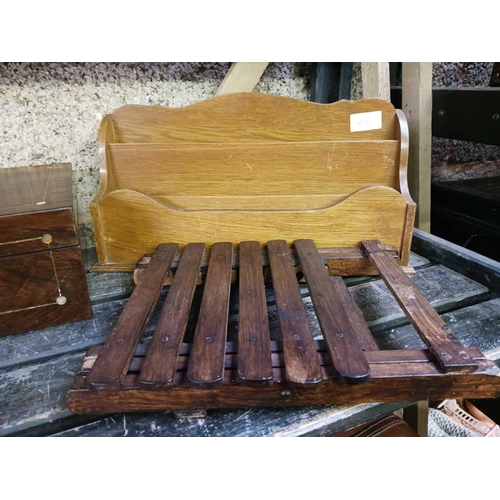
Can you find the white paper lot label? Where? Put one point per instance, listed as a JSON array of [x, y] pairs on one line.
[[366, 121]]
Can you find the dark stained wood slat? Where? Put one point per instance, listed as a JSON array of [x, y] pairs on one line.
[[112, 364], [254, 344], [301, 360], [440, 340], [160, 364], [332, 311], [389, 382], [206, 366], [400, 356], [354, 314]]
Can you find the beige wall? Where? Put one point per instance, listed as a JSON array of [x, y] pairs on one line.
[[51, 112]]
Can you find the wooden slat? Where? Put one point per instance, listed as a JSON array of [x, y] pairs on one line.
[[376, 81], [254, 355], [113, 362], [206, 366], [363, 214], [389, 382], [242, 77], [395, 357], [237, 176], [333, 316], [301, 360], [417, 105], [160, 364], [433, 330], [246, 117]]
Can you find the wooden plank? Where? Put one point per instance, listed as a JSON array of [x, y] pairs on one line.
[[389, 382], [278, 421], [31, 286], [376, 80], [477, 267], [24, 233], [333, 316], [476, 325], [254, 352], [35, 188], [417, 106], [417, 417], [331, 256], [301, 360], [445, 290], [119, 348], [160, 365], [44, 410], [242, 77], [433, 330], [206, 365], [249, 117], [106, 287], [236, 176], [401, 356], [372, 213], [35, 395]]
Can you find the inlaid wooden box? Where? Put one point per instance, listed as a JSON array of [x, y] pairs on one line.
[[42, 278]]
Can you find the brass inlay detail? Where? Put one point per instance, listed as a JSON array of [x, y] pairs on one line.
[[24, 241]]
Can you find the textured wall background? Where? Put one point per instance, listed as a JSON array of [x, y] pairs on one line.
[[50, 112]]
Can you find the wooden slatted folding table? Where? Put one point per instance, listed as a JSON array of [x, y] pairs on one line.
[[163, 373]]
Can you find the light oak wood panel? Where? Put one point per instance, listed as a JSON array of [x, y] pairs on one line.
[[249, 117], [134, 224], [254, 176], [401, 134], [249, 166]]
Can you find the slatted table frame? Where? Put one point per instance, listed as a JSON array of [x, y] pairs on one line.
[[346, 367]]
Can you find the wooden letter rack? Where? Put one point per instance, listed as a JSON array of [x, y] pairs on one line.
[[275, 189]]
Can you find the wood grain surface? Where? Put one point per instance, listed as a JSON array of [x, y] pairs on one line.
[[47, 363], [333, 317], [433, 330], [23, 233], [119, 348], [160, 365], [301, 362], [385, 384], [36, 188], [29, 289], [254, 176], [266, 168], [254, 348], [249, 117], [206, 366], [370, 213]]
